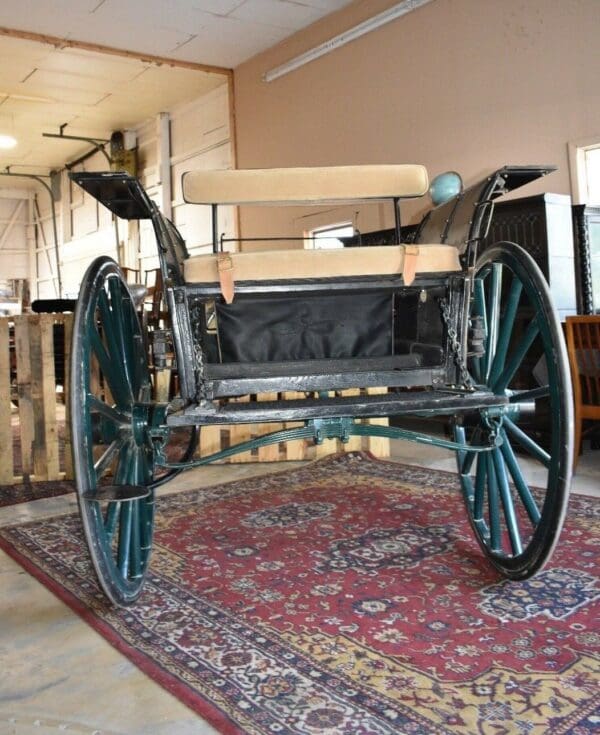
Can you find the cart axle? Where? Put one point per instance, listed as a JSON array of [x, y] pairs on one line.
[[415, 403]]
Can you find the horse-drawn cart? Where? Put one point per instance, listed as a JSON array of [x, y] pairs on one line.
[[449, 332]]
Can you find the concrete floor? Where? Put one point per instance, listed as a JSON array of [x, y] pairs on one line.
[[57, 674]]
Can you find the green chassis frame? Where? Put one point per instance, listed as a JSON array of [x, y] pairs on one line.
[[319, 430]]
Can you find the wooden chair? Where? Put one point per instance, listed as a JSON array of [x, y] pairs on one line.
[[583, 344], [131, 275]]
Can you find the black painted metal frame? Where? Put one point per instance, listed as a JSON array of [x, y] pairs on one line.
[[461, 222]]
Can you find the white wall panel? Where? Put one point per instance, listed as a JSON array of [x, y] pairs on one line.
[[78, 254], [199, 139], [200, 124], [14, 262]]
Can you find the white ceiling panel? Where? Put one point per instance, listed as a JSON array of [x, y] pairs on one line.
[[290, 15], [217, 7], [73, 80], [161, 26], [229, 40], [72, 60], [130, 35], [60, 93], [20, 51], [93, 93], [43, 85], [181, 16], [53, 17]]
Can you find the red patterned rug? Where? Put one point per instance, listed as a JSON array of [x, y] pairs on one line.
[[347, 596]]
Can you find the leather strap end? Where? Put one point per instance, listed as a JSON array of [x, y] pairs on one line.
[[226, 279], [409, 271]]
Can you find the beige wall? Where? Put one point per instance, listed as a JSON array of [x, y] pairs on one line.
[[457, 84]]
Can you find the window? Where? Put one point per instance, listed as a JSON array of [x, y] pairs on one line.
[[328, 237], [584, 161]]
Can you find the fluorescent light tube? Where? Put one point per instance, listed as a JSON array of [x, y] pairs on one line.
[[396, 11]]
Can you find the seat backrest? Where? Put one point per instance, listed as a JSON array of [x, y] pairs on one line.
[[583, 344], [316, 185]]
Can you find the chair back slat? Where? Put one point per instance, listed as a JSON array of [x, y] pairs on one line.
[[583, 341], [583, 346]]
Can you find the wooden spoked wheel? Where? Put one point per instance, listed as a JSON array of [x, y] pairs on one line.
[[516, 495], [111, 412]]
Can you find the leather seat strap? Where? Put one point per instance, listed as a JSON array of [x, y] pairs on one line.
[[226, 279], [409, 269]]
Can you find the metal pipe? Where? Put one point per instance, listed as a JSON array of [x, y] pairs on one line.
[[98, 144], [94, 141], [40, 180], [85, 157], [397, 220], [215, 228]]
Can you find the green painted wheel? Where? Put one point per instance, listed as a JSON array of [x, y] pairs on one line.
[[111, 411], [516, 495]]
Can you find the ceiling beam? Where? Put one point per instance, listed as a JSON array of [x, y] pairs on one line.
[[101, 49]]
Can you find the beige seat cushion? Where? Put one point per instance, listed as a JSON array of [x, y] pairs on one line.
[[269, 265], [305, 185]]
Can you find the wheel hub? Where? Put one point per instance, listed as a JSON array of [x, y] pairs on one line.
[[140, 421]]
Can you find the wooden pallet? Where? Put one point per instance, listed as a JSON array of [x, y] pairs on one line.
[[215, 438], [28, 390], [27, 374]]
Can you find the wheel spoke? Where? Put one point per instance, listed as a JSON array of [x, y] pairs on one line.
[[146, 520], [109, 412], [508, 320], [466, 483], [469, 457], [494, 317], [124, 463], [479, 308], [110, 522], [480, 477], [522, 487], [105, 461], [110, 369], [507, 503], [476, 369], [135, 550], [459, 438], [125, 531], [493, 506], [527, 442], [516, 358], [523, 396], [139, 366], [116, 352], [124, 340]]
